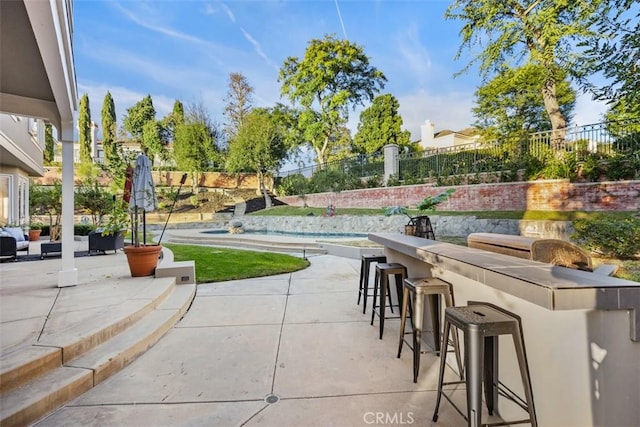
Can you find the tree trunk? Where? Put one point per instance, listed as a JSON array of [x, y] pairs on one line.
[[267, 200], [194, 184], [558, 121], [319, 157]]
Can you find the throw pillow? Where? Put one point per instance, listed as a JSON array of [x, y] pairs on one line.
[[16, 233]]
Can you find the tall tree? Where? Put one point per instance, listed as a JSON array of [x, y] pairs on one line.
[[141, 124], [333, 76], [239, 101], [194, 143], [154, 139], [174, 118], [379, 125], [259, 146], [137, 116], [617, 56], [84, 129], [109, 127], [542, 32], [49, 144], [511, 103]]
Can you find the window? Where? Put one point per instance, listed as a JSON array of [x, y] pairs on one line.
[[23, 200], [5, 198]]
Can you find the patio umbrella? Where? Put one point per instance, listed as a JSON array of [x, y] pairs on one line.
[[143, 194]]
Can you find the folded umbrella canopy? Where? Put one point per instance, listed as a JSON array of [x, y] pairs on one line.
[[143, 194]]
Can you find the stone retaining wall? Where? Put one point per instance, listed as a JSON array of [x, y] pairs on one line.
[[460, 226]]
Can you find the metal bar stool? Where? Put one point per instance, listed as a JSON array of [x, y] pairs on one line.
[[381, 282], [365, 267], [482, 323], [419, 289]]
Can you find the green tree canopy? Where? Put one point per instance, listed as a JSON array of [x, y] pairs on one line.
[[333, 76], [92, 199], [194, 143], [136, 117], [84, 129], [173, 119], [617, 56], [511, 104], [109, 127], [542, 32], [259, 146], [379, 125]]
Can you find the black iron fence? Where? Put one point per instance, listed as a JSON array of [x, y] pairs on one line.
[[575, 144]]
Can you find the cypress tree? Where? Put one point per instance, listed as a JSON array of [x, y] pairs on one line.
[[84, 130], [109, 125]]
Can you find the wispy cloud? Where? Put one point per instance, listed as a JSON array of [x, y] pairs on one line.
[[211, 9], [229, 13], [415, 58], [258, 48], [158, 28]]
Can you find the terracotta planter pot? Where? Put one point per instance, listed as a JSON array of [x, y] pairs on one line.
[[410, 230], [34, 235], [143, 259]]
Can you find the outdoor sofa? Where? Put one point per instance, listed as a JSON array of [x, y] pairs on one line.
[[12, 241]]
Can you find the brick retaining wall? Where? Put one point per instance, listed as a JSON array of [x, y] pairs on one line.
[[548, 195]]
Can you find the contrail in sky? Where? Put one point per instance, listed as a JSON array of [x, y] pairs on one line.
[[344, 31]]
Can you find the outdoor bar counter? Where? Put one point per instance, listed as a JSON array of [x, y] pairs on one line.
[[581, 330]]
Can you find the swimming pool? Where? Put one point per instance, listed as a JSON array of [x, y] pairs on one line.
[[291, 234]]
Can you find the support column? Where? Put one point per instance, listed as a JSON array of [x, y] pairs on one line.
[[391, 162], [68, 275]]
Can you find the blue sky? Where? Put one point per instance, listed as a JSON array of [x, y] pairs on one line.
[[185, 50]]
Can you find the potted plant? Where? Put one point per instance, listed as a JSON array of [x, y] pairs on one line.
[[142, 258], [110, 235], [35, 228], [410, 227], [47, 201], [427, 204]]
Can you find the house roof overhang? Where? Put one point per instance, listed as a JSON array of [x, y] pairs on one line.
[[37, 74]]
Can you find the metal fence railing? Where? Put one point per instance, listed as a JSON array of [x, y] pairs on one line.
[[361, 165], [606, 139]]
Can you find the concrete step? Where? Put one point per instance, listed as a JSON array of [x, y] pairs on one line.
[[37, 398], [55, 349], [123, 349], [22, 366], [31, 400]]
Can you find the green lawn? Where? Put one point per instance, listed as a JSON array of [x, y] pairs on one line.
[[533, 215], [220, 264]]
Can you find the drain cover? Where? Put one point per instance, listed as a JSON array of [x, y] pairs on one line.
[[271, 399]]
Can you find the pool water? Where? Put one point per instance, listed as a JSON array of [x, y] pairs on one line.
[[291, 233]]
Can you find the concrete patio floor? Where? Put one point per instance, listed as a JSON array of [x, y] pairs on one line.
[[299, 337]]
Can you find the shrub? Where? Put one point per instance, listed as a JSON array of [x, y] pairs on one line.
[[293, 185], [609, 235], [83, 229]]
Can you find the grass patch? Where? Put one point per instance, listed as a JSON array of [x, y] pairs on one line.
[[531, 215], [215, 264]]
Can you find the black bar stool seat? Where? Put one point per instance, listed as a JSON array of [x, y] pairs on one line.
[[482, 323], [415, 292], [363, 286], [381, 284]]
